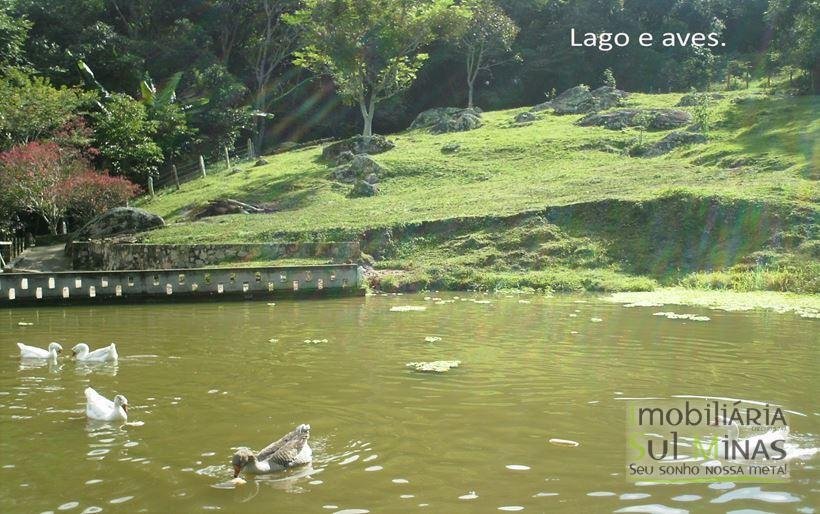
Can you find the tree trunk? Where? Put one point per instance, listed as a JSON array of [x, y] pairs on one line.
[[470, 84], [367, 117], [259, 132]]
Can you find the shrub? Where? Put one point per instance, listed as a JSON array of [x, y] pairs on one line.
[[91, 193], [48, 180]]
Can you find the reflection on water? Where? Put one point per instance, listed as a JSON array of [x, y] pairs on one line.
[[204, 379]]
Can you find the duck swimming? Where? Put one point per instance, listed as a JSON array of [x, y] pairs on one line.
[[101, 408], [32, 352], [291, 450], [107, 354]]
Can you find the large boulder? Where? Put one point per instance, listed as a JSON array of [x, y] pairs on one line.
[[673, 140], [655, 119], [362, 188], [525, 117], [357, 145], [607, 97], [118, 221], [448, 119], [580, 99], [359, 167], [224, 206]]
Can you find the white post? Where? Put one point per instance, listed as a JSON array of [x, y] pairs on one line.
[[202, 166], [227, 158]]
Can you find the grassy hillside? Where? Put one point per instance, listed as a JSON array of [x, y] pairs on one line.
[[553, 205]]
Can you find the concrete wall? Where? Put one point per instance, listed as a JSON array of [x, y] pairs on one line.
[[108, 256], [120, 286]]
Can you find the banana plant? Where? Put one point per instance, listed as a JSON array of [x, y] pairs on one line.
[[151, 97]]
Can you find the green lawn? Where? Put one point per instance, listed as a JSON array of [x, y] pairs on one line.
[[762, 153]]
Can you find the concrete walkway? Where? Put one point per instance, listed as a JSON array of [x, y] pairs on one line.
[[43, 258]]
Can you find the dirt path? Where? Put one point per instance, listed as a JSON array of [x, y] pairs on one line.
[[43, 258]]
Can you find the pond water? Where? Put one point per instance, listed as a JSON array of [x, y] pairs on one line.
[[204, 378]]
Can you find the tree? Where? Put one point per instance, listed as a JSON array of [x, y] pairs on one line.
[[608, 78], [90, 193], [124, 135], [33, 176], [270, 48], [13, 35], [371, 48], [796, 35], [488, 36], [31, 108], [172, 131]]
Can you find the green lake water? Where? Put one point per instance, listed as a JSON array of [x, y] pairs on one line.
[[204, 378]]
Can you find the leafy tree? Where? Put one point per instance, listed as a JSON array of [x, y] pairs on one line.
[[794, 25], [124, 135], [91, 193], [269, 49], [371, 48], [608, 78], [33, 176], [31, 108], [488, 36], [223, 118], [13, 35], [173, 134], [703, 112]]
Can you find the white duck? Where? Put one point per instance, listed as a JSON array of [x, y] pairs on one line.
[[290, 450], [32, 352], [101, 408], [106, 354]]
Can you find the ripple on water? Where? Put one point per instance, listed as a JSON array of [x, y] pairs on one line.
[[756, 493], [121, 499], [92, 510], [374, 468], [93, 481], [654, 508], [511, 508], [517, 467], [601, 493], [469, 496], [633, 496], [352, 511], [687, 498], [544, 495], [400, 481], [352, 458], [720, 486], [68, 506]]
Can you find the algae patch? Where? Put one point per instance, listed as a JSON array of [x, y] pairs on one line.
[[806, 306], [433, 367]]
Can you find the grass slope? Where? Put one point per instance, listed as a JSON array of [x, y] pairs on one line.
[[552, 205]]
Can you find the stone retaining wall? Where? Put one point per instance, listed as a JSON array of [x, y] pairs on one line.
[[21, 289], [125, 256]]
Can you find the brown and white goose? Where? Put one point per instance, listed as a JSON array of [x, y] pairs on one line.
[[291, 450]]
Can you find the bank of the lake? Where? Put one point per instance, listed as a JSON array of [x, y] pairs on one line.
[[551, 205]]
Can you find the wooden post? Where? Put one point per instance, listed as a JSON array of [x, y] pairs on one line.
[[151, 186], [227, 158], [202, 166], [176, 176], [251, 153]]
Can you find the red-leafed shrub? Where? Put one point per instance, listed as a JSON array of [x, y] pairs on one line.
[[46, 179], [91, 193]]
